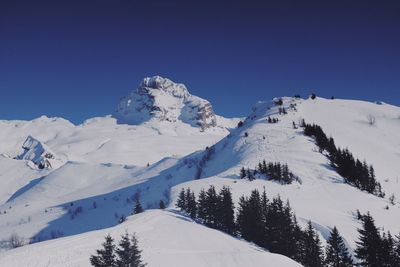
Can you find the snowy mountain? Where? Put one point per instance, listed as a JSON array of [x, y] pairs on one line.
[[160, 99], [162, 139]]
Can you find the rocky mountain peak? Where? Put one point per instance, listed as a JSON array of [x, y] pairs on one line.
[[161, 99], [38, 153]]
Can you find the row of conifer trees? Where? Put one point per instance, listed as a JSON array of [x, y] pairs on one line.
[[270, 224], [375, 247], [355, 172], [275, 171]]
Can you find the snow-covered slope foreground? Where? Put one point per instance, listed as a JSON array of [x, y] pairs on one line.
[[167, 239]]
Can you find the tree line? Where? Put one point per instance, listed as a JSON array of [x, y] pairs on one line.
[[270, 224], [355, 172], [376, 248], [275, 171]]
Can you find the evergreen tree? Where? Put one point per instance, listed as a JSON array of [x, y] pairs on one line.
[[138, 207], [249, 175], [250, 218], [181, 202], [191, 205], [290, 231], [226, 211], [161, 205], [264, 167], [136, 253], [312, 251], [337, 254], [397, 249], [212, 203], [389, 254], [297, 241], [202, 205], [242, 173], [105, 257], [369, 245], [280, 228], [129, 254]]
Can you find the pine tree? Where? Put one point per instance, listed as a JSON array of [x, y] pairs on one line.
[[105, 257], [369, 245], [249, 175], [389, 255], [312, 251], [181, 202], [212, 202], [123, 251], [161, 205], [397, 248], [128, 252], [264, 167], [191, 204], [280, 228], [138, 207], [250, 218], [264, 206], [289, 245], [202, 205], [136, 253], [337, 254], [242, 173], [226, 211]]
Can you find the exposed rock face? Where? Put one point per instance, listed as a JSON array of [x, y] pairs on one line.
[[38, 153], [161, 99]]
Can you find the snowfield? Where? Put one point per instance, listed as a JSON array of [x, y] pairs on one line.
[[166, 238], [107, 164]]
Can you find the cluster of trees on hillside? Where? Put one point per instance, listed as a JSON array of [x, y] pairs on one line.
[[127, 254], [215, 210], [282, 110], [248, 174], [270, 224], [375, 248], [275, 171], [272, 120], [355, 172]]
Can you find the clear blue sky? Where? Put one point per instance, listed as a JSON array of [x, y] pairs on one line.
[[75, 59]]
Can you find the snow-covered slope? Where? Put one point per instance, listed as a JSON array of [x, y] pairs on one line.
[[16, 176], [321, 196], [167, 239]]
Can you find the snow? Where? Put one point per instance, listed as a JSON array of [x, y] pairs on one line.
[[166, 238], [105, 162]]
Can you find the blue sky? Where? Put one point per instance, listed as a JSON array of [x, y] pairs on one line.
[[75, 59]]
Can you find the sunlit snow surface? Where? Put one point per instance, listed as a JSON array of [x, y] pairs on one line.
[[107, 165]]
